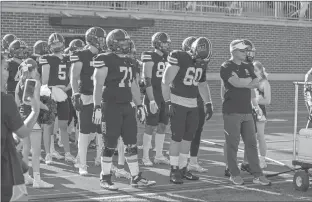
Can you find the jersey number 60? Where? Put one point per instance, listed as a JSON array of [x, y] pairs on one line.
[[192, 76]]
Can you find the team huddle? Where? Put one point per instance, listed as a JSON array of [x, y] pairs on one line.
[[103, 82]]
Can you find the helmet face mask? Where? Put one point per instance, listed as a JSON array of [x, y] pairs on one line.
[[56, 43], [118, 41], [96, 36], [161, 41], [18, 49], [187, 43]]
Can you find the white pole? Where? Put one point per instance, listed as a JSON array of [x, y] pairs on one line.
[[295, 121]]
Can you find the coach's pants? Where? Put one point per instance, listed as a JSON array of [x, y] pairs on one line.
[[234, 125]]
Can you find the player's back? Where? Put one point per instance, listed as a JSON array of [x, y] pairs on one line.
[[86, 81], [120, 75], [185, 84], [158, 68], [59, 69]]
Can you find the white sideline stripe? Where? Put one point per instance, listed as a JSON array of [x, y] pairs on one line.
[[272, 77], [185, 191]]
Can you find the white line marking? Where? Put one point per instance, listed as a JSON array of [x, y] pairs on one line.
[[184, 198]]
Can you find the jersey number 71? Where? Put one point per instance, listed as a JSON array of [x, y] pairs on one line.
[[126, 71]]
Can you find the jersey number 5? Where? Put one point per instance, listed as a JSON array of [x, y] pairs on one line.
[[62, 72], [126, 70], [192, 76]]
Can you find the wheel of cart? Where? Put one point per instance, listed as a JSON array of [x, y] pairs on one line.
[[302, 152]]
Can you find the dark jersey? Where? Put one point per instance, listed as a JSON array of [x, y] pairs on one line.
[[158, 69], [236, 100], [36, 58], [120, 75], [59, 69], [13, 77], [185, 83], [86, 74]]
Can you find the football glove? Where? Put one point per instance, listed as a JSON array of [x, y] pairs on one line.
[[97, 115], [169, 109], [208, 111], [77, 102], [153, 107], [141, 115]]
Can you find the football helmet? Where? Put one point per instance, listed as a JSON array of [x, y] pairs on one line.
[[95, 36], [118, 41], [187, 43], [40, 48], [56, 43], [161, 41], [76, 44], [7, 40], [18, 49], [28, 65], [201, 49], [251, 51]]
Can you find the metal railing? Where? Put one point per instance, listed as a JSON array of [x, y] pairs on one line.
[[301, 10]]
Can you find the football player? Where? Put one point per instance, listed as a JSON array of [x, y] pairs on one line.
[[6, 41], [82, 69], [18, 51], [74, 45], [120, 171], [116, 71], [55, 70], [154, 64], [184, 78], [193, 165]]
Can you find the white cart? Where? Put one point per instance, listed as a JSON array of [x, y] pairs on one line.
[[302, 148]]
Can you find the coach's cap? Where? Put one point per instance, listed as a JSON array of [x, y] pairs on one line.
[[237, 44]]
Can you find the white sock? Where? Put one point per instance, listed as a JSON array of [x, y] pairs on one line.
[[37, 176], [182, 160], [147, 141], [174, 160], [159, 144], [100, 144], [106, 164], [133, 165], [83, 148], [193, 160], [121, 152], [52, 144]]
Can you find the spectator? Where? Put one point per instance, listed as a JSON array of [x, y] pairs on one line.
[[11, 122], [238, 79], [307, 96]]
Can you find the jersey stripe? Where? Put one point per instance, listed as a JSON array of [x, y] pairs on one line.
[[98, 64], [172, 60], [43, 61], [146, 57], [74, 58]]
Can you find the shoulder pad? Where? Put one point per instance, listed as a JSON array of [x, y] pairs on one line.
[[44, 59], [173, 57], [146, 56]]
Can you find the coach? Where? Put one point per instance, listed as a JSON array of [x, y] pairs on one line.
[[238, 78]]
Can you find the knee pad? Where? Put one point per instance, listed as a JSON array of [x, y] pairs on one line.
[[131, 150], [107, 152]]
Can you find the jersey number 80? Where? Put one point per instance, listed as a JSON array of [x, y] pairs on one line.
[[192, 76]]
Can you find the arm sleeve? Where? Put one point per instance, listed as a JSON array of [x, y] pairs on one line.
[[225, 72], [173, 58], [43, 60], [146, 57], [98, 61], [75, 57]]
